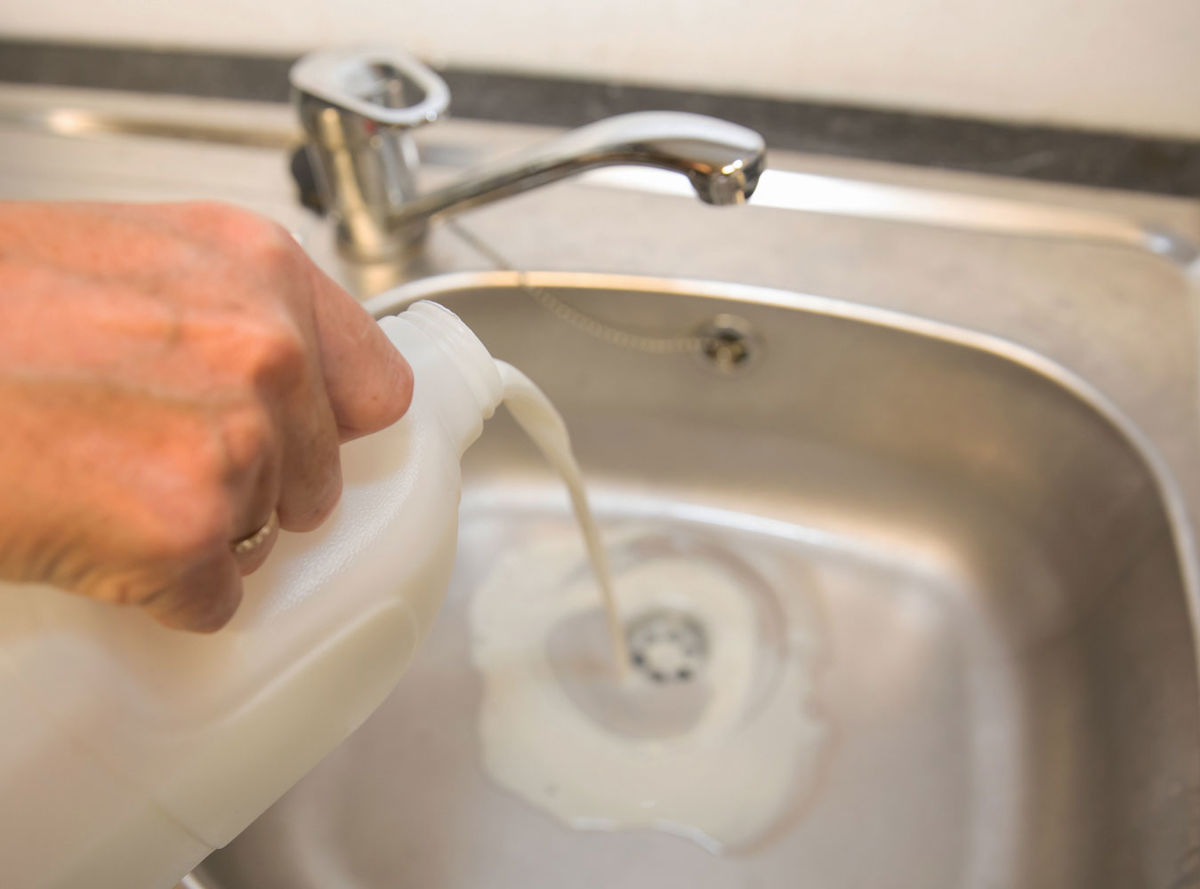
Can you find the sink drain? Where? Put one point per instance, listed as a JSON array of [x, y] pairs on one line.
[[728, 343], [667, 646]]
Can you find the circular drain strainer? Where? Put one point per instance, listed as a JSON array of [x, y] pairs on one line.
[[667, 646]]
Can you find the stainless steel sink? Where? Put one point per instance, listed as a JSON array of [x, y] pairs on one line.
[[1003, 563], [998, 556]]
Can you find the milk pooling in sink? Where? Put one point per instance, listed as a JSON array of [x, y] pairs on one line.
[[710, 734]]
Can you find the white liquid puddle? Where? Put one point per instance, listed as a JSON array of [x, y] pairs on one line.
[[723, 778]]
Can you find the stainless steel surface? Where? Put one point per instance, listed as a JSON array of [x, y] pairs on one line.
[[69, 113], [1003, 547], [730, 343], [68, 121], [1001, 563], [810, 193], [85, 114], [357, 109]]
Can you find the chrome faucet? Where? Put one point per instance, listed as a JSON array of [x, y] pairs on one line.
[[358, 109]]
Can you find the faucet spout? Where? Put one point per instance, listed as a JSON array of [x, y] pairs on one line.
[[723, 162], [359, 107]]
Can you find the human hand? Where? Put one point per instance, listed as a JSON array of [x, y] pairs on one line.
[[170, 376]]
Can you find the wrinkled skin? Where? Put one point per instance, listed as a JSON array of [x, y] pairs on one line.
[[169, 376]]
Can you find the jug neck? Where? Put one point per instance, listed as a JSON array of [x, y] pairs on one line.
[[453, 373]]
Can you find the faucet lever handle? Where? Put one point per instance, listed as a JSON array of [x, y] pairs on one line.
[[373, 82], [358, 108]]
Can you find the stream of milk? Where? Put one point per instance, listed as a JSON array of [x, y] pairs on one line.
[[544, 425]]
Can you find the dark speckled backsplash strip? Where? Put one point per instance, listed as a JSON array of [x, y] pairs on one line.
[[1164, 166]]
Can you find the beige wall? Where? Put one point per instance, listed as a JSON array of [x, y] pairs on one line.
[[1123, 64]]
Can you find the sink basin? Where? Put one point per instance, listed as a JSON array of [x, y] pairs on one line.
[[998, 564]]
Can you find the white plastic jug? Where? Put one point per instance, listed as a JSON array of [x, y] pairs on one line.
[[129, 751]]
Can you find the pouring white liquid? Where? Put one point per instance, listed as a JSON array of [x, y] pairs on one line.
[[723, 773], [535, 414]]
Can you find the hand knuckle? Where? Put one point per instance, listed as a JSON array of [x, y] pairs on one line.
[[276, 353], [248, 438], [264, 239], [260, 239], [217, 218], [263, 349]]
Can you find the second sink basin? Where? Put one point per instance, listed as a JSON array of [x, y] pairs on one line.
[[994, 556]]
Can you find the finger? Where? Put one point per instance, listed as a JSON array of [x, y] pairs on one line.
[[368, 381], [202, 599], [310, 470], [257, 511]]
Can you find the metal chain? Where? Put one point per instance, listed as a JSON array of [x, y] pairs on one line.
[[581, 321]]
